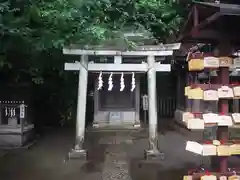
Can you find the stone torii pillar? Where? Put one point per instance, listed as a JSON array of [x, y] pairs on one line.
[[153, 149], [78, 150], [152, 107]]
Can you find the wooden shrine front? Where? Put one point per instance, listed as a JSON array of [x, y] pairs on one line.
[[117, 107]]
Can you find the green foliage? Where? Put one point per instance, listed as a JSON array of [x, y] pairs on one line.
[[33, 32], [162, 19], [54, 23]]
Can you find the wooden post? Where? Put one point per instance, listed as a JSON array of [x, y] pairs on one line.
[[222, 132], [188, 101], [224, 49]]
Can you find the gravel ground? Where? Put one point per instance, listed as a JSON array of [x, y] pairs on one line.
[[112, 155]]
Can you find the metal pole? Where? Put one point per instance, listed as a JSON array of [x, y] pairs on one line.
[[81, 105], [152, 113]]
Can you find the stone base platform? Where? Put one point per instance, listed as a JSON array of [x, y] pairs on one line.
[[11, 137]]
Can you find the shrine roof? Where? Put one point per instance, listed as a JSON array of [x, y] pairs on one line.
[[208, 23], [219, 19], [225, 9]]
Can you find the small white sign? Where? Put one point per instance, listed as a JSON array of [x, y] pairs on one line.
[[115, 116], [22, 111], [145, 102]]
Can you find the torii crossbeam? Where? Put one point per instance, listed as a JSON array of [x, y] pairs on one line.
[[150, 66]]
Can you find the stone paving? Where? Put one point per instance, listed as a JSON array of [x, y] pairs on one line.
[[115, 165], [113, 155]]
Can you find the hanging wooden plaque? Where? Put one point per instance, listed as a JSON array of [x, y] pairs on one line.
[[235, 149], [186, 116], [194, 147], [225, 61], [187, 178], [195, 93], [195, 124], [210, 95], [186, 89], [236, 118], [223, 178], [209, 177], [209, 150], [236, 62], [225, 121], [223, 150], [236, 91], [225, 92], [195, 65], [234, 177], [211, 62], [211, 118]]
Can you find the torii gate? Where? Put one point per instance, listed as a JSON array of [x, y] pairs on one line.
[[150, 66]]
